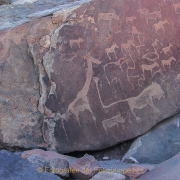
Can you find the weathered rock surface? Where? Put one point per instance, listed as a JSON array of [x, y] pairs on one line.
[[168, 170], [62, 166], [159, 144], [135, 171], [15, 168], [107, 176], [38, 160], [111, 73], [48, 155], [104, 72], [5, 2], [84, 168]]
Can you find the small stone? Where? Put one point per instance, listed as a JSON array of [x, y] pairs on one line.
[[84, 168], [61, 167], [135, 171], [105, 158]]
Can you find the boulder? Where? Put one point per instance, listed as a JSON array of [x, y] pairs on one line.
[[159, 144], [110, 74], [84, 168], [61, 167], [104, 72], [38, 160], [109, 176], [135, 171], [48, 155], [5, 2], [168, 170], [15, 168]]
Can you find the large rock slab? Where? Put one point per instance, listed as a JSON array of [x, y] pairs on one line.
[[48, 155], [159, 144], [169, 170], [109, 73], [15, 168]]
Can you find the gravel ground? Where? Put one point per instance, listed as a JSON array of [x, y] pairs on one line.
[[21, 11]]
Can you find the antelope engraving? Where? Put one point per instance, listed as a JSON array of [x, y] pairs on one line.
[[167, 50], [75, 41], [153, 16], [112, 50], [148, 67], [130, 19], [107, 17], [160, 25], [114, 121], [81, 102], [141, 101], [168, 62], [176, 7]]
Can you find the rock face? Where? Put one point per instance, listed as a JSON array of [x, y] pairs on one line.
[[14, 167], [169, 170], [108, 72], [159, 144], [5, 2]]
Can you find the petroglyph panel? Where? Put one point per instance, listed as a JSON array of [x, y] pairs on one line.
[[110, 73]]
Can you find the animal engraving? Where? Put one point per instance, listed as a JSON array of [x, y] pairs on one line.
[[153, 16], [167, 50], [130, 19], [136, 32], [117, 63], [148, 67], [81, 102], [114, 121], [141, 101], [176, 7], [75, 41], [112, 50], [143, 12], [152, 56], [107, 17], [168, 62], [160, 25]]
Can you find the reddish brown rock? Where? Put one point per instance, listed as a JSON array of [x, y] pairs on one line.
[[48, 155], [110, 74], [169, 170], [105, 72], [84, 168], [135, 171]]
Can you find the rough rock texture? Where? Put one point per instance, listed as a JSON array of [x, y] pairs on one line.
[[84, 168], [111, 73], [159, 144], [108, 72], [169, 170], [5, 2], [48, 155], [38, 160], [62, 166], [109, 176], [13, 167], [135, 171]]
